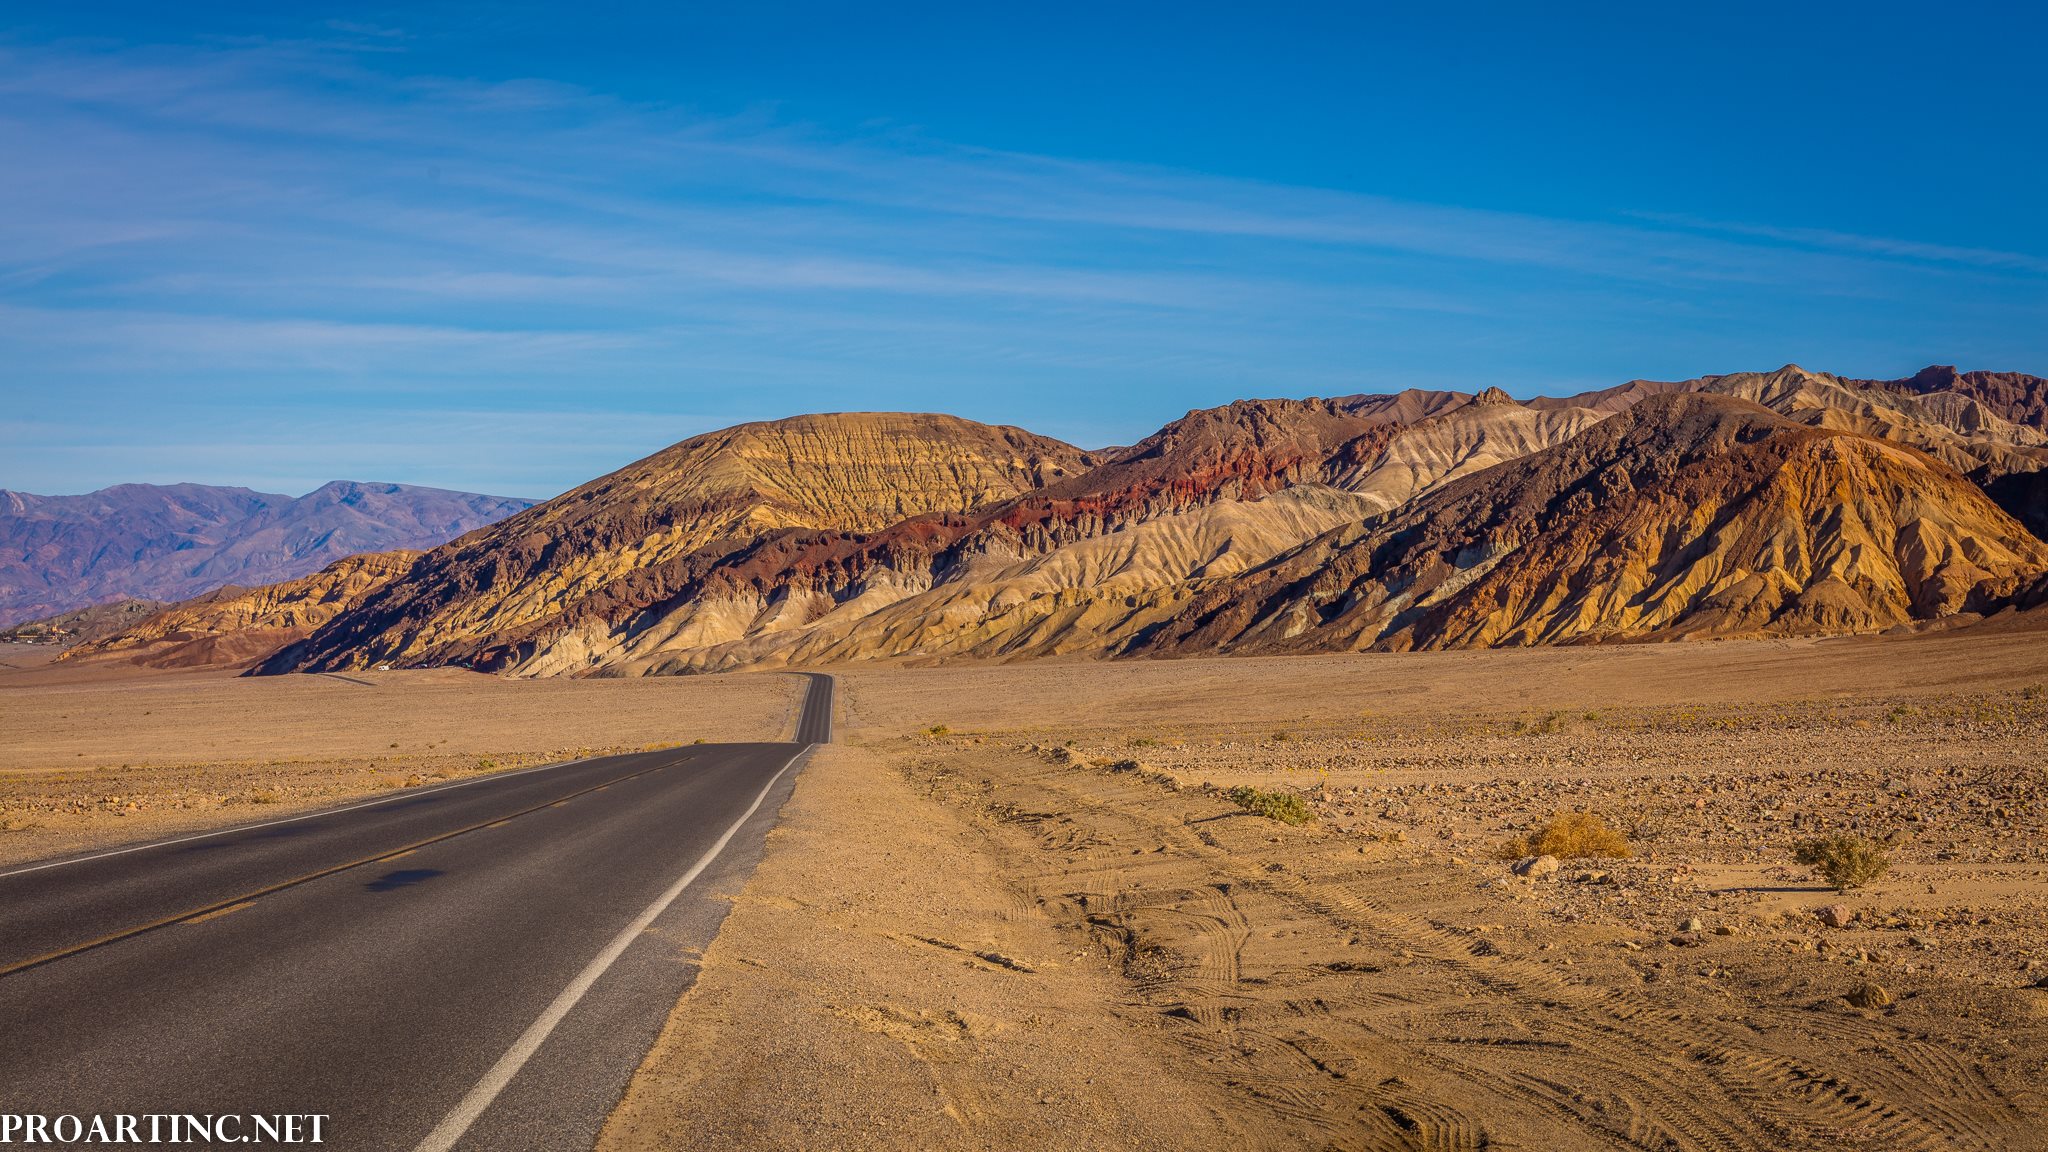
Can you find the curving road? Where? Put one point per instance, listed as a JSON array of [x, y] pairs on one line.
[[479, 965]]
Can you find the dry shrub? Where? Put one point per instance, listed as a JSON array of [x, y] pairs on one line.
[[1845, 860], [1571, 834], [1545, 726], [1285, 807]]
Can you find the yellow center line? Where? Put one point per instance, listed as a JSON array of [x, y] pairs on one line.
[[205, 916], [222, 907]]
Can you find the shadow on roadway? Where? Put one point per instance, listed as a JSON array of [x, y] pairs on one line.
[[403, 878]]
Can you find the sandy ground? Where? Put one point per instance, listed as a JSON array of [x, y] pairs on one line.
[[883, 985], [95, 757], [1016, 908]]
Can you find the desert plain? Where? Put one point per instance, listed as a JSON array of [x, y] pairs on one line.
[[1022, 906], [94, 756]]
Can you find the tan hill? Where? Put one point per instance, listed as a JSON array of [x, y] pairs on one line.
[[1954, 425], [2014, 396], [1072, 566], [1685, 514], [1018, 587], [235, 627], [789, 543], [630, 538], [82, 624], [1986, 424]]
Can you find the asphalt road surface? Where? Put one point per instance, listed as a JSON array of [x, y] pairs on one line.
[[478, 966]]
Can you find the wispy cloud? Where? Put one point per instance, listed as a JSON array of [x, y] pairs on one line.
[[1821, 239], [198, 230], [289, 454], [375, 31]]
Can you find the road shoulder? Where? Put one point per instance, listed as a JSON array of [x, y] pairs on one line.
[[882, 983]]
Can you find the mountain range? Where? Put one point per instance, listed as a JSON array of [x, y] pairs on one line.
[[1773, 503], [172, 542]]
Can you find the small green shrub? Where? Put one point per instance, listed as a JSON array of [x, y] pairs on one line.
[[1843, 859], [1285, 807], [938, 730]]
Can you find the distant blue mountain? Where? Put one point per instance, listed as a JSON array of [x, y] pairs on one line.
[[175, 541]]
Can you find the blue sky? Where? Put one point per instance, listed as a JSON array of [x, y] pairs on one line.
[[509, 247]]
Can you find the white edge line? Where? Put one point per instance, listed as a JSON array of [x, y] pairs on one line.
[[458, 1121], [404, 795]]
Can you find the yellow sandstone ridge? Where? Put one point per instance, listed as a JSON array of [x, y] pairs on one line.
[[238, 626]]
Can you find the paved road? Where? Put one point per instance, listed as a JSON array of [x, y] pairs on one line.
[[475, 966]]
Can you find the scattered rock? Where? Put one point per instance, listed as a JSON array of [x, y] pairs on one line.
[[1536, 867], [1593, 878], [1692, 924], [1724, 929], [1868, 995], [1835, 915], [1686, 940]]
